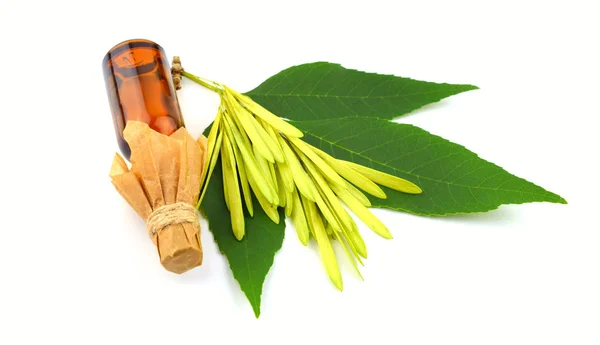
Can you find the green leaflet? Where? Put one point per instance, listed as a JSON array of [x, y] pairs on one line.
[[345, 113], [251, 258], [321, 90], [453, 179]]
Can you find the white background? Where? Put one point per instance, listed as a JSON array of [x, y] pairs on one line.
[[76, 266]]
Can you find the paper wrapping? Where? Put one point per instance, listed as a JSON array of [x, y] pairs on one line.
[[164, 170]]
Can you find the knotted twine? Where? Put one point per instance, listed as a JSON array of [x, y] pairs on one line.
[[177, 213], [176, 71]]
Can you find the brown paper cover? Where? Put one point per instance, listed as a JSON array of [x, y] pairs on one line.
[[164, 170]]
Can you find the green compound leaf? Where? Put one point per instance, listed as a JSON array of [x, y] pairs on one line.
[[345, 113], [251, 258], [322, 90], [454, 179]]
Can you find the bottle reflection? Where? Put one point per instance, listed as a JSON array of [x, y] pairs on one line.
[[139, 86]]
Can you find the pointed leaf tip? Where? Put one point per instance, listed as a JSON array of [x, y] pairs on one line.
[[453, 179], [321, 90], [251, 258]]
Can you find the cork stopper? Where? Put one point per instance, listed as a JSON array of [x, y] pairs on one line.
[[175, 230], [179, 247]]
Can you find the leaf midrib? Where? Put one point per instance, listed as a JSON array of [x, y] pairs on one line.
[[250, 276], [417, 175], [339, 96]]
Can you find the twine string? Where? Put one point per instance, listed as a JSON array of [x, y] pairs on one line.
[[171, 214], [176, 71]]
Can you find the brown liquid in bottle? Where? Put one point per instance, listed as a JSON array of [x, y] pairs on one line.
[[139, 86]]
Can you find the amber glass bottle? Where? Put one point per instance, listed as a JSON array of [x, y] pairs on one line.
[[139, 86]]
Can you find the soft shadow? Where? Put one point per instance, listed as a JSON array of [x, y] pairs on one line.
[[195, 275], [500, 217], [209, 251], [425, 109]]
